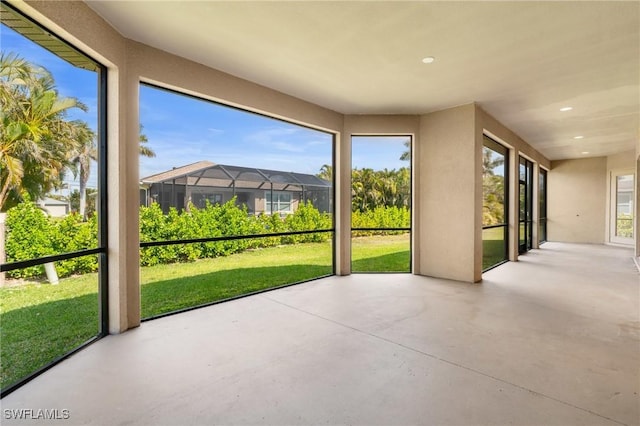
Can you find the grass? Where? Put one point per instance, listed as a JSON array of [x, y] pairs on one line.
[[492, 247], [167, 288], [40, 322], [388, 253]]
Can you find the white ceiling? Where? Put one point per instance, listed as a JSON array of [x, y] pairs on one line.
[[521, 61]]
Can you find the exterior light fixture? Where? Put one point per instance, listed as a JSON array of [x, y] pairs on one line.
[[565, 109], [585, 152], [578, 137], [428, 59]]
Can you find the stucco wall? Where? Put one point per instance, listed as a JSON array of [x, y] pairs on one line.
[[448, 208], [577, 200]]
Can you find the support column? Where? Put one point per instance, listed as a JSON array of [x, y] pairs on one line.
[[342, 181], [123, 214], [450, 215]]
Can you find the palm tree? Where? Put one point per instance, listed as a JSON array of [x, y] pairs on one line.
[[145, 151], [81, 158], [34, 136], [85, 152], [326, 172], [406, 155]]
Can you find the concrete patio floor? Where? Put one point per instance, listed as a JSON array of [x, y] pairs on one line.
[[553, 339]]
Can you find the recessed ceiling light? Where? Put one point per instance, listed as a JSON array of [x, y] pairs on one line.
[[585, 152], [428, 59], [565, 109], [578, 137]]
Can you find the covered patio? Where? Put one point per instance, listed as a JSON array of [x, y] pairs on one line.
[[550, 336]]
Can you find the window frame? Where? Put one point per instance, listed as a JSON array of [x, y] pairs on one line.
[[268, 199], [409, 229], [101, 202], [543, 208], [331, 204], [492, 144]]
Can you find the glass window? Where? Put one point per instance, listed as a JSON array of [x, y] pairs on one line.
[[542, 228], [381, 204], [255, 192], [281, 202], [494, 208], [525, 205], [52, 199], [624, 206]]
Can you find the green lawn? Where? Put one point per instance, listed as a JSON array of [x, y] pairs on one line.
[[492, 247], [41, 322], [385, 253]]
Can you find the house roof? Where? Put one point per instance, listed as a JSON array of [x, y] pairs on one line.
[[177, 172], [206, 173]]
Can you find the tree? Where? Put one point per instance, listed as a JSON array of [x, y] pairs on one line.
[[80, 159], [493, 207], [406, 155], [85, 152], [145, 151], [373, 188], [326, 173], [34, 137], [90, 197]]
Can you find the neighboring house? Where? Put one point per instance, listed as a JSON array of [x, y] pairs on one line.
[[261, 190], [53, 207]]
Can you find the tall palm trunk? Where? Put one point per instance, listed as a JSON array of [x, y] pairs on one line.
[[83, 199]]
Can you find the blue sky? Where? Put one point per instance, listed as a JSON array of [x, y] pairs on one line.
[[182, 129]]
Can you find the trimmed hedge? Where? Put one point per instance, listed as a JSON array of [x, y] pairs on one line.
[[381, 217], [31, 234]]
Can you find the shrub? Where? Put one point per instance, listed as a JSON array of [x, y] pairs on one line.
[[381, 217], [31, 234], [28, 236], [71, 234], [307, 218], [211, 221]]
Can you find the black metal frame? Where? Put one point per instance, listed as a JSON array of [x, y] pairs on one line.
[[229, 238], [527, 221], [333, 160], [501, 149], [542, 219], [252, 236], [409, 229], [101, 250], [239, 237]]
